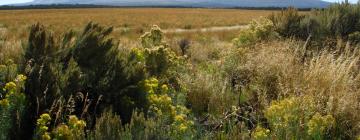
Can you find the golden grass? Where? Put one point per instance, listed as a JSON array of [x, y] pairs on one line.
[[132, 17], [129, 22]]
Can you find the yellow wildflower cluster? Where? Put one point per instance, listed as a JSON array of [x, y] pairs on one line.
[[4, 103], [13, 92], [162, 105], [20, 78], [289, 117], [75, 123], [42, 127], [181, 123], [283, 113], [151, 85], [286, 118], [63, 132], [160, 101], [261, 133], [318, 124], [138, 54], [10, 87], [73, 129]]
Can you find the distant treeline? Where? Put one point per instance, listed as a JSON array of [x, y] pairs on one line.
[[70, 6]]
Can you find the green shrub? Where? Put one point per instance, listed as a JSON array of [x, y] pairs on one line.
[[92, 64], [61, 71], [102, 131], [288, 23], [164, 119], [354, 37], [337, 21], [42, 70], [342, 19]]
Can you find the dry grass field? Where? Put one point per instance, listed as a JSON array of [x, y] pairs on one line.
[[127, 21], [132, 17]]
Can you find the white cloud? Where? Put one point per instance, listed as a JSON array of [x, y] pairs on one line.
[[4, 2]]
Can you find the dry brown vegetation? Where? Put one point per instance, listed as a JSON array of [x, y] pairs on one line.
[[132, 17], [129, 22]]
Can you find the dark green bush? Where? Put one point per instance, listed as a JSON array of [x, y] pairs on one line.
[[92, 65], [288, 23], [336, 22]]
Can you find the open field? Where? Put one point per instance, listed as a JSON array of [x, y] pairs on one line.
[[132, 17], [130, 22]]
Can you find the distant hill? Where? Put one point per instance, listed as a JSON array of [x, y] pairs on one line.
[[194, 3]]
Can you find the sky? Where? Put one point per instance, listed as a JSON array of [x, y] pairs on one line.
[[352, 1], [3, 2]]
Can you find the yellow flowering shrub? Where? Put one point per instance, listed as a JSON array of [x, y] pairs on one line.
[[42, 127], [296, 118], [160, 102], [12, 104], [261, 133], [138, 54], [4, 103], [63, 132], [10, 87], [162, 107], [152, 38], [13, 91], [182, 123], [259, 29], [286, 118], [283, 113], [73, 129], [318, 125], [158, 57], [75, 123]]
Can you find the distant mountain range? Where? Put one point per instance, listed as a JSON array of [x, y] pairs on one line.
[[193, 3]]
